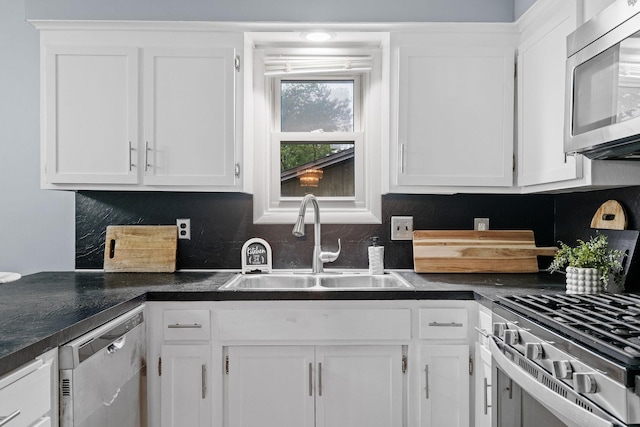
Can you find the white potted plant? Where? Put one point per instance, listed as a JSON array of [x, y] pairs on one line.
[[591, 266]]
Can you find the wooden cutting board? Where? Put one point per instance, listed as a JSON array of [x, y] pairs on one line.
[[141, 248], [610, 215], [468, 251]]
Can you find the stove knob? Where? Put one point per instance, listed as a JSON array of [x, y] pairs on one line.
[[499, 328], [562, 369], [584, 383], [533, 351], [511, 337]]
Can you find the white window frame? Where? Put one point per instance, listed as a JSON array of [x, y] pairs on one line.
[[365, 207]]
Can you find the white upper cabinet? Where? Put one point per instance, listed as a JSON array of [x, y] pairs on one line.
[[189, 116], [454, 93], [541, 92], [90, 114], [141, 106], [542, 55]]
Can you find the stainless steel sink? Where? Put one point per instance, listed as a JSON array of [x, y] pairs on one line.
[[363, 281], [270, 281], [315, 282]]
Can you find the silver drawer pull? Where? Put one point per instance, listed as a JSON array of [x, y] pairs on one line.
[[482, 332], [5, 420], [185, 326], [447, 325]]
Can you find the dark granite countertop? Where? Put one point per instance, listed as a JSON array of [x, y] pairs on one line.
[[42, 311]]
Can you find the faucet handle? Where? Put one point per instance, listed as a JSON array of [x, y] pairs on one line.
[[330, 256]]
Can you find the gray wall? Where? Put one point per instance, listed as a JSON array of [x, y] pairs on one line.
[[36, 226], [280, 10]]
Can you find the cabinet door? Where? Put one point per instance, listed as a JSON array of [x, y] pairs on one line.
[[444, 386], [455, 119], [184, 386], [482, 389], [270, 386], [359, 386], [90, 127], [189, 118], [541, 102]]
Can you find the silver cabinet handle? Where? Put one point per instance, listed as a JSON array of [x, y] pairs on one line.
[[447, 325], [310, 379], [401, 158], [5, 420], [146, 156], [486, 396], [426, 381], [204, 381], [237, 170], [131, 149], [482, 332], [319, 379], [185, 326]]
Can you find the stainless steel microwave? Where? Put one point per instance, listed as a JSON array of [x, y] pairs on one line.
[[602, 114]]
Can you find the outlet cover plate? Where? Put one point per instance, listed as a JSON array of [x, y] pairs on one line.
[[481, 224], [401, 228], [184, 228]]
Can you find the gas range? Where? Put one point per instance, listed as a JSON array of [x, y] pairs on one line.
[[588, 347]]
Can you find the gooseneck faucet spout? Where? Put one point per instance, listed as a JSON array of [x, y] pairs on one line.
[[319, 257]]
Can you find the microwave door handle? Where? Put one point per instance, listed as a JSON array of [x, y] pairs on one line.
[[567, 411]]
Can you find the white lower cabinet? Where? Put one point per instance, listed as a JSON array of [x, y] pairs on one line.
[[444, 386], [184, 385], [310, 363], [482, 385], [28, 395], [483, 380], [314, 386]]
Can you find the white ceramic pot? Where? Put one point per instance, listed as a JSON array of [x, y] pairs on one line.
[[583, 281]]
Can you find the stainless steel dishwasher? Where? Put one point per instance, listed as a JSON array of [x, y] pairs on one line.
[[102, 375]]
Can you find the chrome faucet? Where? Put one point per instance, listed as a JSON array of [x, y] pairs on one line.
[[319, 257]]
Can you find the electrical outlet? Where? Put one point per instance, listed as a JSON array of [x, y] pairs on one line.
[[401, 228], [481, 224], [184, 228]]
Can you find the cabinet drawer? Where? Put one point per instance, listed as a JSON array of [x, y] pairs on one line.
[[186, 325], [443, 323], [13, 398]]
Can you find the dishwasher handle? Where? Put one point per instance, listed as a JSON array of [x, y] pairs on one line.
[[116, 345]]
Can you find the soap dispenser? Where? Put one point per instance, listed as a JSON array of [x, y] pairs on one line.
[[376, 257]]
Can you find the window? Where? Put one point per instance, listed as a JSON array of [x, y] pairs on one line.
[[318, 129], [305, 110]]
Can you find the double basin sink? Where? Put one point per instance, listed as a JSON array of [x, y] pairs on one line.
[[315, 282]]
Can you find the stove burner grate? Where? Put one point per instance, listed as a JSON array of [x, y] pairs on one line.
[[608, 323]]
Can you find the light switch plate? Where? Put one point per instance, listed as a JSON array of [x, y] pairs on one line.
[[401, 228]]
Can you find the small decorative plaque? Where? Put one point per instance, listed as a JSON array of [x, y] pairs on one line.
[[256, 256]]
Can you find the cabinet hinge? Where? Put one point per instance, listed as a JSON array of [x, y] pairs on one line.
[[404, 364], [226, 365], [237, 63], [159, 366], [470, 365]]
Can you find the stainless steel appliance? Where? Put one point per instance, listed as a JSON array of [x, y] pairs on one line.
[[566, 360], [102, 375], [602, 119]]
